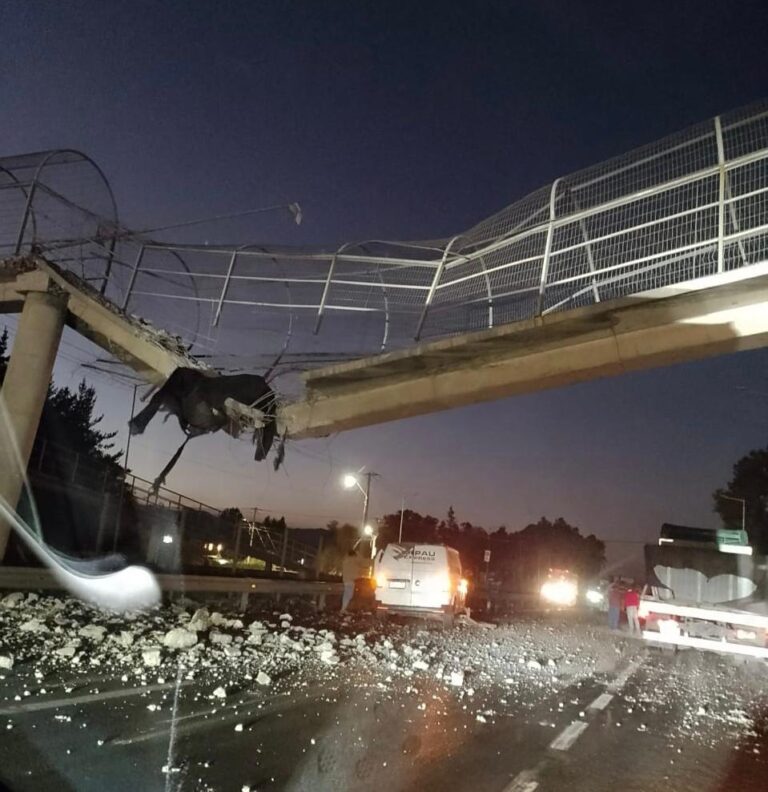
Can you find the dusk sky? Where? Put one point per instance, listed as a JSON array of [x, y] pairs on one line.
[[407, 121]]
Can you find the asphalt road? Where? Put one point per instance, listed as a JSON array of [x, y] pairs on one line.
[[649, 722]]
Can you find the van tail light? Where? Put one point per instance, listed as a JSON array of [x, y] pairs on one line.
[[381, 580], [463, 586], [438, 584]]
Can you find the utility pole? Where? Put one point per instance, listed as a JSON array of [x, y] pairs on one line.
[[367, 493], [372, 538], [402, 514]]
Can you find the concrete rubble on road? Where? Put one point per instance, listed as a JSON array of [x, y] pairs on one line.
[[53, 632], [486, 672]]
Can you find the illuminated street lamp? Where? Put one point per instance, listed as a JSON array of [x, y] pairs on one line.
[[349, 481]]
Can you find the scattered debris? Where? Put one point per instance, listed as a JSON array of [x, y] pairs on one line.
[[263, 679], [180, 638], [151, 657]]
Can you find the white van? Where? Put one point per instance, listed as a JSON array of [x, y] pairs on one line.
[[419, 579]]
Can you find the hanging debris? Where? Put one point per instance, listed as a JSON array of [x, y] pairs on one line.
[[205, 402]]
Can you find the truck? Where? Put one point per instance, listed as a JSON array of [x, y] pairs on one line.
[[705, 589]]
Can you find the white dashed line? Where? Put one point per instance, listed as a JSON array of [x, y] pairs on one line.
[[624, 676], [87, 698], [601, 702], [523, 782], [527, 780], [568, 736]]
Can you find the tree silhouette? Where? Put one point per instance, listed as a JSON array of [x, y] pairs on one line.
[[69, 423], [519, 559], [749, 483], [232, 515]]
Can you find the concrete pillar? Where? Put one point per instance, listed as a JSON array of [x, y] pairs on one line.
[[24, 390]]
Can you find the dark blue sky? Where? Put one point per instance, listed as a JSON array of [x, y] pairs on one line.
[[406, 120]]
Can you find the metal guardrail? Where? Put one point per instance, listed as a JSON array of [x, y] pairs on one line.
[[31, 578]]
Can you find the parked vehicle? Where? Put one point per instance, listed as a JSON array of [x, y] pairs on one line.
[[706, 591], [419, 579], [560, 589]]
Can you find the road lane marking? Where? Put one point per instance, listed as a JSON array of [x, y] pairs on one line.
[[528, 780], [523, 782], [568, 736], [624, 676], [601, 702], [250, 711], [23, 707]]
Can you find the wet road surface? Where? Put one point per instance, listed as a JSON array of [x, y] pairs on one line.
[[540, 704], [680, 722]]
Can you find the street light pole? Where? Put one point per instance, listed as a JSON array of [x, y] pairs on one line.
[[349, 481], [367, 495]]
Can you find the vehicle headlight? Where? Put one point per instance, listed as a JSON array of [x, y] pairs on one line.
[[594, 596], [559, 592]]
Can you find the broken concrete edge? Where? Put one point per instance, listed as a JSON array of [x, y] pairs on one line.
[[170, 344], [151, 352]]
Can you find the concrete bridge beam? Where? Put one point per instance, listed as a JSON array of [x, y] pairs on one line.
[[710, 316]]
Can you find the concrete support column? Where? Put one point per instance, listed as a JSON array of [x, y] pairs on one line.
[[24, 390]]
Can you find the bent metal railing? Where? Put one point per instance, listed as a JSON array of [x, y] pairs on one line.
[[691, 205]]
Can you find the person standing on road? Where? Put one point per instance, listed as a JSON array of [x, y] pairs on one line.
[[632, 603], [614, 604], [349, 572]]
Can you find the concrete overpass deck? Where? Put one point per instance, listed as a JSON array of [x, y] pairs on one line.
[[718, 314]]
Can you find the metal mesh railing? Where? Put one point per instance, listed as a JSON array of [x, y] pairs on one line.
[[693, 204], [57, 462]]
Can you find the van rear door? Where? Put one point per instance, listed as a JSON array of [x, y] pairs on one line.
[[428, 576], [396, 569]]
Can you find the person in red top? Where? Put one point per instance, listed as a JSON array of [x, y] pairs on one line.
[[631, 603]]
